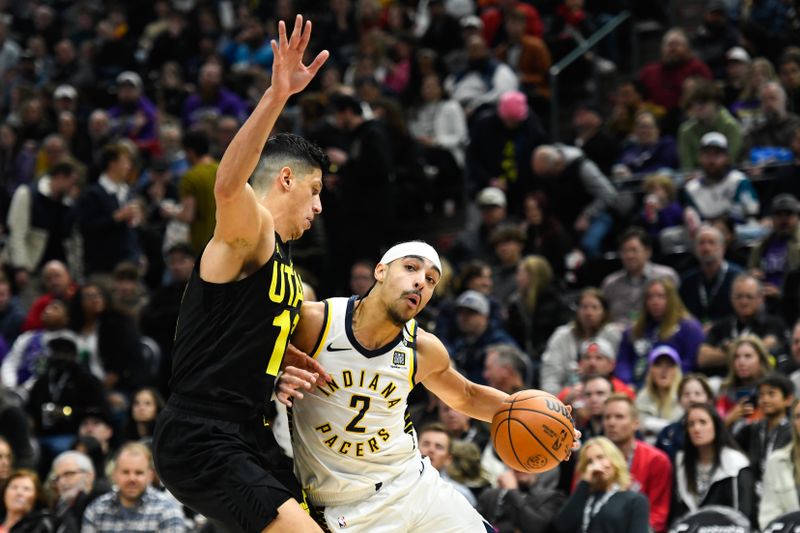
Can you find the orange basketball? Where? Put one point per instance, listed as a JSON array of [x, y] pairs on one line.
[[532, 431]]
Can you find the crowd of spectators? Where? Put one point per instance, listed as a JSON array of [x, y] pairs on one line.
[[645, 268]]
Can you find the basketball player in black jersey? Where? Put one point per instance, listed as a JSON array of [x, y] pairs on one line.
[[240, 306]]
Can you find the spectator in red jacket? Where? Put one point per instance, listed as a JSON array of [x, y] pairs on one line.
[[651, 469], [58, 283], [664, 79], [494, 30]]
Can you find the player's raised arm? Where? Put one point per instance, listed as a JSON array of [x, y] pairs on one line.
[[240, 220], [435, 372]]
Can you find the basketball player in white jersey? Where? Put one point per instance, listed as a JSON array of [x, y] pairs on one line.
[[355, 450]]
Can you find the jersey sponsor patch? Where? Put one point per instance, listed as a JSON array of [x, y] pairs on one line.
[[398, 359]]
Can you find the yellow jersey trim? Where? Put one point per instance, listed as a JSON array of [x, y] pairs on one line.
[[412, 367], [324, 335]]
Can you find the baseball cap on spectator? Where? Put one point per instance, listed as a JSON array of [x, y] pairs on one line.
[[785, 203], [471, 21], [737, 53], [714, 140], [664, 350], [65, 91], [512, 105], [98, 413], [474, 301], [181, 248], [130, 78], [491, 196], [63, 342], [599, 345]]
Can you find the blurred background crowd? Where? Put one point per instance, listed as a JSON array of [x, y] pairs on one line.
[[620, 223]]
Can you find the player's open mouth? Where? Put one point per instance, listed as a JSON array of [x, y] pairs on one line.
[[414, 299]]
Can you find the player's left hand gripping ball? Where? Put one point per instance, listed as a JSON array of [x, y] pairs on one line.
[[534, 432]]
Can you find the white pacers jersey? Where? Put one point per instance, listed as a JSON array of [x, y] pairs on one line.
[[352, 435]]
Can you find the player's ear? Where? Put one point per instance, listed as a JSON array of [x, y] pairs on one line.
[[380, 271], [286, 178]]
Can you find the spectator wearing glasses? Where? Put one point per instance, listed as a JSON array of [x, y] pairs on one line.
[[72, 477], [748, 317]]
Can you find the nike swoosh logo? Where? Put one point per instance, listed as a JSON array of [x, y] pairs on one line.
[[330, 348]]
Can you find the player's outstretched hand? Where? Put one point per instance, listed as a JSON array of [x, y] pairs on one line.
[[290, 383], [289, 74], [299, 359], [576, 441]]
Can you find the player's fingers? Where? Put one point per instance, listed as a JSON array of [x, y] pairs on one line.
[[314, 366], [282, 33], [296, 382], [284, 398], [294, 40], [300, 373], [318, 62], [305, 36], [289, 390]]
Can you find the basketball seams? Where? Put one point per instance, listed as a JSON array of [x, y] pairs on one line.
[[532, 434], [504, 438], [510, 439], [545, 413]]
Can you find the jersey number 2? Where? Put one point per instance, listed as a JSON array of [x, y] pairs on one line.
[[354, 401], [284, 323]]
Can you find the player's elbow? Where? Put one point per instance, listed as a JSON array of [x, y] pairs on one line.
[[225, 188]]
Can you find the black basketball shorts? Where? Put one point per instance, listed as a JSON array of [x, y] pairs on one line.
[[228, 471]]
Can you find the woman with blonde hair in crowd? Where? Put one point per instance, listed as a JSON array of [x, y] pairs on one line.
[[560, 358], [603, 501], [658, 401], [535, 309], [782, 477], [663, 319], [748, 362]]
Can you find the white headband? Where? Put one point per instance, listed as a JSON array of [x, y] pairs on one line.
[[415, 248]]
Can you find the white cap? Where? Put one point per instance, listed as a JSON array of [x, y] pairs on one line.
[[737, 53], [491, 196], [412, 248], [471, 21], [130, 77], [714, 139], [65, 91]]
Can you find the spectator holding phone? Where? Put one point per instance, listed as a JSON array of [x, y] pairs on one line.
[[749, 362]]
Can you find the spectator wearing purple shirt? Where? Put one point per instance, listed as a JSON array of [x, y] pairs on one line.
[[648, 151], [661, 208], [135, 115], [212, 98], [779, 252], [662, 320]]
